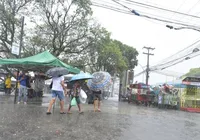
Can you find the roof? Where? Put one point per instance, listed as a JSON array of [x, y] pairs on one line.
[[42, 60]]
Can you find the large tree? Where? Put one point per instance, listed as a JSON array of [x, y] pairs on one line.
[[65, 27], [129, 53], [111, 55], [10, 24]]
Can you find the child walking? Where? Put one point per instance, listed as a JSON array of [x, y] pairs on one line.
[[75, 93]]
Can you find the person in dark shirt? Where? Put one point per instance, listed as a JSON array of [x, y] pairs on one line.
[[97, 99], [22, 79]]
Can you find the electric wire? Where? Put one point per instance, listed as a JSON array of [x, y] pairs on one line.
[[193, 6], [179, 7], [152, 18], [164, 9], [177, 62], [185, 14], [170, 58], [191, 55]]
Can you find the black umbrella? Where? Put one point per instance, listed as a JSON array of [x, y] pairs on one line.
[[57, 71]]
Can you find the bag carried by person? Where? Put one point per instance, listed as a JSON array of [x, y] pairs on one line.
[[83, 96], [50, 86], [28, 82], [73, 101]]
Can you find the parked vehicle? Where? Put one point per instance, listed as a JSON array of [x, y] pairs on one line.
[[141, 94]]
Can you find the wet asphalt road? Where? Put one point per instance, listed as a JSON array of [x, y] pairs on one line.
[[117, 121]]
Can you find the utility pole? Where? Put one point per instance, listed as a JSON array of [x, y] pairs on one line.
[[148, 54], [19, 55], [21, 37]]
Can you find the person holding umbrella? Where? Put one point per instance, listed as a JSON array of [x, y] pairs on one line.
[[57, 91], [99, 81], [97, 99], [58, 87], [75, 93], [76, 90]]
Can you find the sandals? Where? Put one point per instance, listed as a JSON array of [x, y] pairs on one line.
[[62, 112], [81, 112], [69, 112], [48, 113]]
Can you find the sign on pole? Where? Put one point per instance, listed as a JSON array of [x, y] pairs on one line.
[[15, 50]]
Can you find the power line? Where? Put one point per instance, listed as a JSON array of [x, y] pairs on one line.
[[170, 57], [173, 74], [172, 11], [179, 7], [172, 60], [113, 9], [155, 70], [122, 5], [154, 18], [160, 8], [177, 62], [193, 6]]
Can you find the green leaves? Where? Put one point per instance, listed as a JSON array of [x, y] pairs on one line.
[[111, 55], [193, 72]]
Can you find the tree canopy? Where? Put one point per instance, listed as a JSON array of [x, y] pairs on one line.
[[193, 72], [67, 29]]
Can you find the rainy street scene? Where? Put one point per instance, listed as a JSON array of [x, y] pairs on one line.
[[99, 69]]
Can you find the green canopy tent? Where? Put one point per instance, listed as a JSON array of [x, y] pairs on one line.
[[40, 62]]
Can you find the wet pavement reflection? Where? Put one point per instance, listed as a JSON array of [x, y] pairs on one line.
[[117, 121]]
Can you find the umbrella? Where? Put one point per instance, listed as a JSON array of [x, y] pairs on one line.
[[101, 80], [57, 71], [81, 76]]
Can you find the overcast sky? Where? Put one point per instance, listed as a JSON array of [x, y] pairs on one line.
[[139, 32]]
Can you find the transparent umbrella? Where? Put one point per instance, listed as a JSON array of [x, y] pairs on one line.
[[57, 71]]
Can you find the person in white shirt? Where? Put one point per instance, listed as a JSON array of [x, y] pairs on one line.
[[58, 90]]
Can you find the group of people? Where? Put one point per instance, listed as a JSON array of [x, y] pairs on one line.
[[59, 89], [23, 83]]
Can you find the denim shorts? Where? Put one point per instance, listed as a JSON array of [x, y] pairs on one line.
[[56, 93]]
